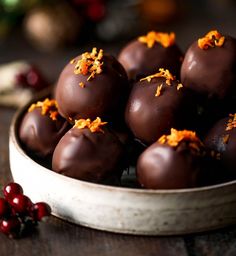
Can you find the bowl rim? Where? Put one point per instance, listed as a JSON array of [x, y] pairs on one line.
[[13, 135]]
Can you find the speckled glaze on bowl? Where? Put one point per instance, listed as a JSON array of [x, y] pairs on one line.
[[122, 210]]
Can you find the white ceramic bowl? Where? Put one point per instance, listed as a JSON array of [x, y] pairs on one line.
[[122, 210]]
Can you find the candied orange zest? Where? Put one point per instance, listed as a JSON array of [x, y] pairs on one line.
[[163, 73], [94, 126], [158, 91], [48, 107], [90, 63], [71, 120], [226, 138], [178, 136], [152, 37], [231, 122], [179, 86], [54, 115], [211, 39], [72, 61], [81, 84]]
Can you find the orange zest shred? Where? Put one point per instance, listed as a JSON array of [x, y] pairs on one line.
[[231, 122], [158, 91], [152, 37], [163, 73], [49, 107], [90, 63], [178, 136], [179, 86], [72, 61], [94, 126], [211, 39], [226, 138], [81, 84], [71, 120]]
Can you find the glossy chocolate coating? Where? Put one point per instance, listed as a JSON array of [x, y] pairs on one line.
[[104, 95], [211, 72], [224, 142], [149, 116], [88, 156], [140, 61], [39, 134], [164, 167]]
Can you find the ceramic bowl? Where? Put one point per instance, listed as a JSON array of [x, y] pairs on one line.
[[119, 209]]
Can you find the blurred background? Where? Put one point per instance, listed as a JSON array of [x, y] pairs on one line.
[[49, 33]]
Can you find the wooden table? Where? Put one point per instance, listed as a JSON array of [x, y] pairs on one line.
[[59, 238]]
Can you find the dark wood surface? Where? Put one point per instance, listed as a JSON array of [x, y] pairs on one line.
[[59, 238]]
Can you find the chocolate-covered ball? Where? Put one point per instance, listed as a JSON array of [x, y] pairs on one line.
[[145, 55], [209, 66], [173, 162], [156, 104], [41, 128], [222, 139], [93, 84], [209, 69], [89, 152]]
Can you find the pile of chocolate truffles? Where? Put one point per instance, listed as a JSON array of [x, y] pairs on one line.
[[171, 115]]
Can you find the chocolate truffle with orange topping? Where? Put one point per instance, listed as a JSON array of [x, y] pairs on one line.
[[222, 139], [42, 127], [156, 104], [89, 151], [146, 54], [92, 84], [175, 161], [209, 66]]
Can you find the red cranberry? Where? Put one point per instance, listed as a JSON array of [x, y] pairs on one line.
[[35, 79], [21, 204], [4, 208], [32, 77], [11, 190], [11, 227], [20, 79], [40, 211], [18, 215]]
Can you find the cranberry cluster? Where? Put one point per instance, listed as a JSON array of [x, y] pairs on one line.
[[17, 213]]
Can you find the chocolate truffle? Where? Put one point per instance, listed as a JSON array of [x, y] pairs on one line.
[[209, 66], [93, 84], [145, 55], [222, 139], [89, 152], [156, 104], [41, 128], [173, 162]]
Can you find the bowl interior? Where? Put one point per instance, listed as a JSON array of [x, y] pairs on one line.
[[122, 209]]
